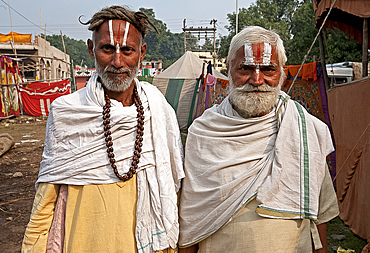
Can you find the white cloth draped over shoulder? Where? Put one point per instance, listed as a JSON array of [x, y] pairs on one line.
[[75, 154], [279, 158]]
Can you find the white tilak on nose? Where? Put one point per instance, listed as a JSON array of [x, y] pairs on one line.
[[111, 34]]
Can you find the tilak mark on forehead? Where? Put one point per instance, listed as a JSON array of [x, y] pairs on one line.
[[258, 54], [118, 37]]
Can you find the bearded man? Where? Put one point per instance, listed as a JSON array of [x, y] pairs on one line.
[[255, 165], [112, 161]]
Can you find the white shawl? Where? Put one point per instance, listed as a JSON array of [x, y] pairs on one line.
[[75, 153], [280, 157]]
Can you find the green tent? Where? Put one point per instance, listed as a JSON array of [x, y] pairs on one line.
[[178, 81]]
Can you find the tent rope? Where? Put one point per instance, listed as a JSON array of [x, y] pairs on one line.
[[309, 50], [351, 152]]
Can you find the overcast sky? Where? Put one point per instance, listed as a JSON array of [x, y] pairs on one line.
[[63, 14]]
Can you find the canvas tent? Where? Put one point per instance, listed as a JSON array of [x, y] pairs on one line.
[[177, 84], [350, 117], [348, 107]]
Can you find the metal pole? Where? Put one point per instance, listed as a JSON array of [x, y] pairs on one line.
[[214, 43], [40, 21], [184, 36], [237, 17]]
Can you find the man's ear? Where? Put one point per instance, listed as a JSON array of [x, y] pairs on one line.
[[90, 45], [143, 51]]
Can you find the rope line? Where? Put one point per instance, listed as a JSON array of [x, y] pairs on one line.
[[351, 152], [309, 50]]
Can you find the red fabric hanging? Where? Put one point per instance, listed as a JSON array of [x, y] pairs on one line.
[[38, 96]]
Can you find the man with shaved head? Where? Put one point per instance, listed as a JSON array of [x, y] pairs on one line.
[[256, 178], [112, 161]]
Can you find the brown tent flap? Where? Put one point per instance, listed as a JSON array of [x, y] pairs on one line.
[[350, 117], [346, 15]]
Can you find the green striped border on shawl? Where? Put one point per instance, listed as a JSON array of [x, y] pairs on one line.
[[304, 151], [173, 92], [306, 173], [150, 243]]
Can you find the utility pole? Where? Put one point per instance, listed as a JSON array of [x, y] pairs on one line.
[[202, 34], [214, 41], [40, 21], [11, 29], [237, 17], [184, 36]]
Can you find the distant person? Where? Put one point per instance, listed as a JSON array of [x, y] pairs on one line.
[[255, 165], [112, 161]]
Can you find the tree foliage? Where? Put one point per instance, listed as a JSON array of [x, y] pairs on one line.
[[165, 46], [303, 33], [294, 21], [76, 49], [340, 48], [270, 14]]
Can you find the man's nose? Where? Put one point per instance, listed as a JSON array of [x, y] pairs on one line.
[[256, 78], [117, 59]]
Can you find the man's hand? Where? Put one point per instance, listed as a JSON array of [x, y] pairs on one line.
[[191, 249]]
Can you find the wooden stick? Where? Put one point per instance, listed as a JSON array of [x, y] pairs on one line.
[[14, 200]]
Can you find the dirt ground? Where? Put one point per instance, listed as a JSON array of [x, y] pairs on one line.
[[18, 173]]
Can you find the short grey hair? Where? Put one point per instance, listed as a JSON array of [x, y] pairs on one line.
[[257, 34]]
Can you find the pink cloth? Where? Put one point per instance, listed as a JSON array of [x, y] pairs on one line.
[[56, 234], [211, 80]]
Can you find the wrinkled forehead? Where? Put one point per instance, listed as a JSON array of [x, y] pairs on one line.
[[261, 54], [118, 31]]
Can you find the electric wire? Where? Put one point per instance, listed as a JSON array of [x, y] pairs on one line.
[[24, 16]]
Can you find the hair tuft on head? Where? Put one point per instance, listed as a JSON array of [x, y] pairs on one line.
[[138, 19]]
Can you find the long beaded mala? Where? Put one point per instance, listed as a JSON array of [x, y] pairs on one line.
[[138, 141]]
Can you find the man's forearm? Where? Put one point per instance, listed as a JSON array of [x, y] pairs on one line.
[[191, 249], [322, 233]]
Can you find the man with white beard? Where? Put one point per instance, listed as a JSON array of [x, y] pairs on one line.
[[256, 178], [112, 162]]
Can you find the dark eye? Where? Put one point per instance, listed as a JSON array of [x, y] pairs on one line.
[[247, 68], [108, 48], [126, 50], [268, 70]]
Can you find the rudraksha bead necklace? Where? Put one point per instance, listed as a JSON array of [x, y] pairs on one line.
[[138, 141]]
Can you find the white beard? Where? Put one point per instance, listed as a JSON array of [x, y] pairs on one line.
[[253, 104], [116, 84]]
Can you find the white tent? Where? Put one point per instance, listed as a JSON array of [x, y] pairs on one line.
[[178, 81]]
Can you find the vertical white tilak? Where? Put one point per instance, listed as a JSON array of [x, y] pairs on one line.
[[110, 24], [248, 54], [266, 56], [126, 33]]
